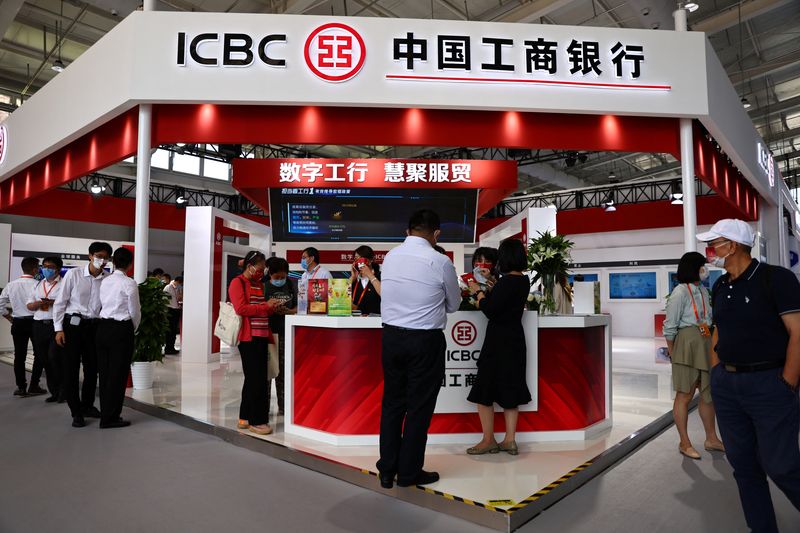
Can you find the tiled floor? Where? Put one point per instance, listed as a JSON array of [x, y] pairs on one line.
[[641, 393]]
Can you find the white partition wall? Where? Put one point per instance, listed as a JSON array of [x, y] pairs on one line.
[[203, 276]]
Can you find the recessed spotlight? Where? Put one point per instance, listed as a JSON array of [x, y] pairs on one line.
[[58, 65], [96, 188], [691, 7], [746, 103]]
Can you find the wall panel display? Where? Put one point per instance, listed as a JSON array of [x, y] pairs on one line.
[[633, 286], [368, 215]]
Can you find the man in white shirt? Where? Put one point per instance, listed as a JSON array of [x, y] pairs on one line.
[[41, 302], [418, 288], [309, 262], [16, 295], [173, 289], [120, 313], [75, 324]]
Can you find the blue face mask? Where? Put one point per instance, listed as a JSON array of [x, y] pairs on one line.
[[304, 263], [278, 282], [48, 273]]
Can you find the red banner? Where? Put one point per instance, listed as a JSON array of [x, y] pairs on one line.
[[374, 173], [338, 257]]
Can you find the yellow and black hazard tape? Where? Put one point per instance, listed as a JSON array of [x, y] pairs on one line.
[[449, 496], [549, 488]]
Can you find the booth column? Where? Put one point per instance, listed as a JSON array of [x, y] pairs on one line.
[[687, 163], [142, 224]]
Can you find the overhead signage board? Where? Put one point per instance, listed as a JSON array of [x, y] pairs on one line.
[[289, 59]]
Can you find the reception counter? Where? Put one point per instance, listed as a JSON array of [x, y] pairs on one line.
[[334, 380]]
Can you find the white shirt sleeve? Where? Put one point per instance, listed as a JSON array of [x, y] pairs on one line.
[[452, 293], [60, 305], [134, 308], [5, 301]]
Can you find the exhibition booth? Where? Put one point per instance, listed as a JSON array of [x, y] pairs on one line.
[[302, 80]]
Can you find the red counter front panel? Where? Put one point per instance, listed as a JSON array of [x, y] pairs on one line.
[[338, 383]]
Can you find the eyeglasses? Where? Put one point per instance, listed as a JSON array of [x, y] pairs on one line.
[[715, 246]]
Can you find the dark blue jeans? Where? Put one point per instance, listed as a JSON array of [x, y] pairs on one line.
[[759, 421]]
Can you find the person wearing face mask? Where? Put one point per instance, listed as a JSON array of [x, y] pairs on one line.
[[419, 287], [41, 302], [247, 296], [365, 282], [484, 266], [755, 370], [687, 329], [280, 288], [309, 262], [119, 315], [174, 304], [75, 324]]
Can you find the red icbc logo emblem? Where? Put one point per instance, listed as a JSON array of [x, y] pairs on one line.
[[464, 333], [3, 143], [335, 52]]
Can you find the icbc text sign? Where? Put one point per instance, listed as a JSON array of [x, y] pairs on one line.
[[375, 173]]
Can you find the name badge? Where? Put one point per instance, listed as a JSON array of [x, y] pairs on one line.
[[705, 331], [74, 320]]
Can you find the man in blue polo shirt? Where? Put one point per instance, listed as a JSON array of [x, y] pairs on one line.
[[755, 370]]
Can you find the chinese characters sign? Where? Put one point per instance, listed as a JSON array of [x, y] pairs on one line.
[[375, 173]]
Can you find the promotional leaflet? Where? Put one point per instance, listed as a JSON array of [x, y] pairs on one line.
[[339, 303], [318, 296]]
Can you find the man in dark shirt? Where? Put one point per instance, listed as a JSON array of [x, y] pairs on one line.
[[755, 370], [280, 287]]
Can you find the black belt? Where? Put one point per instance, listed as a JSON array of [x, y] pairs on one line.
[[398, 328], [83, 318], [114, 320], [50, 321], [755, 367], [23, 317]]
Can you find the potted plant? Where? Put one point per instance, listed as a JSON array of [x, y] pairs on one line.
[[151, 334], [549, 258]]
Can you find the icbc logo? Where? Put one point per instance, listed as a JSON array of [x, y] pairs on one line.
[[335, 52], [464, 333], [3, 143]]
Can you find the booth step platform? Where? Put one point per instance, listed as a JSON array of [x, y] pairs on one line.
[[498, 491]]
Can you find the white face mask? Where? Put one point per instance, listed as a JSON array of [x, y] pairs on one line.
[[98, 262], [704, 273]]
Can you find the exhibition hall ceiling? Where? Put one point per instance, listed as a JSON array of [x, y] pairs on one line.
[[758, 42]]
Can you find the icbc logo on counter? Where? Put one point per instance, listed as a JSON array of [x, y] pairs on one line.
[[335, 52], [464, 333]]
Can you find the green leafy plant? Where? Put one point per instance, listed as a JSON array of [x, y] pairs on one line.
[[549, 258], [153, 328]]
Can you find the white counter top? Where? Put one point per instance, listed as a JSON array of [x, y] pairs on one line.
[[546, 321]]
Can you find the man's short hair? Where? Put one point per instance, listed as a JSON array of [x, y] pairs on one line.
[[179, 279], [312, 252], [123, 258], [277, 264], [99, 246], [55, 260], [165, 275], [29, 265], [424, 221], [158, 272]]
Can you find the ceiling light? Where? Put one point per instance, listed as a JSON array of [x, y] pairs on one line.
[[58, 65], [677, 198], [691, 7], [96, 188], [610, 208], [180, 200], [746, 103]]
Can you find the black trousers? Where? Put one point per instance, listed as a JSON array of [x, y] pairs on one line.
[[114, 355], [44, 343], [22, 332], [255, 390], [759, 420], [413, 371], [81, 349], [174, 316]]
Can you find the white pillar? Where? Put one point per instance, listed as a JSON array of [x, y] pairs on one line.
[[687, 163], [142, 224], [149, 5], [198, 273]]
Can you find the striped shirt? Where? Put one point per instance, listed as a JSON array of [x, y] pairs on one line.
[[258, 324]]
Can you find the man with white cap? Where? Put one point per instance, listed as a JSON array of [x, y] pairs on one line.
[[755, 370]]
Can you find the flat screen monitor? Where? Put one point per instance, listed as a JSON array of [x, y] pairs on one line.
[[633, 286], [713, 276], [368, 215], [586, 277]]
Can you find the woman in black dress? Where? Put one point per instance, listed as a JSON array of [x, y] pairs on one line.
[[365, 282], [501, 366]]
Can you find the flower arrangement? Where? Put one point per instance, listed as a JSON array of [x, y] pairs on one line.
[[549, 258], [534, 301]]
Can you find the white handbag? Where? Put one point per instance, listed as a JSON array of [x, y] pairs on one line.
[[228, 325]]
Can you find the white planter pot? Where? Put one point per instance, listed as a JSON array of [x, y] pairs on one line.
[[142, 374]]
